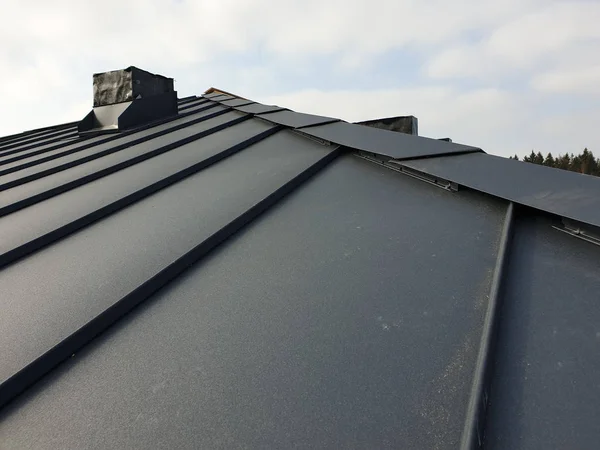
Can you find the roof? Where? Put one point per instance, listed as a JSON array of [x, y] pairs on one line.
[[243, 275]]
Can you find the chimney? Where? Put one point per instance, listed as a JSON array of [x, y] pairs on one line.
[[401, 124], [128, 98]]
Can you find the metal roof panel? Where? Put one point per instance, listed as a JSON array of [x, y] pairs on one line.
[[296, 120], [49, 302], [567, 194], [361, 334], [389, 143]]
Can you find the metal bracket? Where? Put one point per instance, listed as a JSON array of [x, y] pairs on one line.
[[312, 138], [398, 167], [580, 230]]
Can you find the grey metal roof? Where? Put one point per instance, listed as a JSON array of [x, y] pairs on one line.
[[236, 277]]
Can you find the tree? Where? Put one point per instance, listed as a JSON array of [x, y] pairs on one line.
[[585, 162], [575, 165], [530, 158], [538, 158], [588, 162], [563, 162], [516, 158], [549, 160]]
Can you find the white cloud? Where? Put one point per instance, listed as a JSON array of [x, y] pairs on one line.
[[545, 36], [51, 49], [584, 81]]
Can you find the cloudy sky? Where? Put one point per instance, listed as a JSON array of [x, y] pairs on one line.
[[508, 76]]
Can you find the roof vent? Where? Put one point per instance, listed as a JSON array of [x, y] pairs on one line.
[[401, 124], [128, 98]]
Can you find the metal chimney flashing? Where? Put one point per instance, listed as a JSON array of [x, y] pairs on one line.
[[128, 98]]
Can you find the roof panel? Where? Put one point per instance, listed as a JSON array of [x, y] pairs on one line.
[[46, 302], [296, 120], [221, 97], [32, 223], [545, 391], [45, 138], [19, 155], [194, 104], [258, 108], [389, 143], [333, 321], [557, 191], [236, 102], [38, 131], [213, 95], [31, 168]]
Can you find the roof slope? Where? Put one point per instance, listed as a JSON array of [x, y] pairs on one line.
[[242, 275]]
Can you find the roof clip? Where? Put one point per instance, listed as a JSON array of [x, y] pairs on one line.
[[398, 167], [580, 230], [308, 136]]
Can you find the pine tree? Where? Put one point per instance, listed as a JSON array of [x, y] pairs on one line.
[[575, 165], [588, 162], [563, 162], [530, 158], [549, 160], [516, 157], [538, 158]]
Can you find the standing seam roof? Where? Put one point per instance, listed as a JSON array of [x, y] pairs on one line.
[[288, 277]]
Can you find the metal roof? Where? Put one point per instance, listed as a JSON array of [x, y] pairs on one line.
[[239, 277]]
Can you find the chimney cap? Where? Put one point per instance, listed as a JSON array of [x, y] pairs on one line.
[[128, 98], [125, 85]]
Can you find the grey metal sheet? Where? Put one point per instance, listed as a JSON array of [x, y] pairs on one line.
[[213, 95], [546, 389], [38, 138], [567, 194], [220, 97], [81, 155], [347, 317], [258, 108], [49, 295], [41, 149], [47, 183], [35, 221], [31, 155], [296, 120], [388, 143], [32, 143], [28, 133], [197, 102], [236, 102]]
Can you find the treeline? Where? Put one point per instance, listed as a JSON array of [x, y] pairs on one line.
[[585, 162]]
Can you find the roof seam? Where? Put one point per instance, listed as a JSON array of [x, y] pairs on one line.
[[474, 428], [86, 179], [19, 381], [96, 143], [111, 137], [65, 230]]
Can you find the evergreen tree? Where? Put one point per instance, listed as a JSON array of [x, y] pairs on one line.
[[530, 158], [538, 158], [589, 165], [563, 162], [585, 162], [575, 165], [549, 160]]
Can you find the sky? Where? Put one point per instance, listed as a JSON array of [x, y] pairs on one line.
[[508, 76]]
